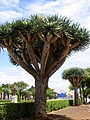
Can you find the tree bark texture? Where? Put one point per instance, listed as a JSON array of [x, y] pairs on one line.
[[41, 86], [76, 96]]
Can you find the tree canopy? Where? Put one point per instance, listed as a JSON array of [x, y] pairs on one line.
[[74, 75], [41, 45], [58, 32]]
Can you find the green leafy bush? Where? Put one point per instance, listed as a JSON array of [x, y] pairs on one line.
[[58, 104], [23, 101], [71, 102], [5, 101], [16, 111], [1, 112]]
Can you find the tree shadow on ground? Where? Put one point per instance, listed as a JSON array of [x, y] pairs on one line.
[[59, 117], [52, 117]]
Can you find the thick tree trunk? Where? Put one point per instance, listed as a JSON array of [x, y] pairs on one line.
[[81, 96], [76, 96], [8, 96], [1, 95], [41, 86], [4, 95]]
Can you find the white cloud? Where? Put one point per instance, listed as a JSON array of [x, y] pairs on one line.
[[86, 22], [15, 74], [68, 8], [9, 3], [57, 83], [9, 16], [77, 10], [43, 7]]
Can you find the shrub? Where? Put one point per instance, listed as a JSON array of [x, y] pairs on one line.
[[23, 101], [3, 101], [14, 111], [58, 104], [70, 102]]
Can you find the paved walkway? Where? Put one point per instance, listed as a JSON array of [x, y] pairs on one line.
[[81, 112]]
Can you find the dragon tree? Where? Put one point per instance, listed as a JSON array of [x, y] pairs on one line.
[[75, 77], [40, 45]]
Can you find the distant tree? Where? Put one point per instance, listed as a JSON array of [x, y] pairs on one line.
[[80, 90], [41, 45], [26, 94], [75, 77], [71, 87], [32, 91], [13, 89], [20, 86], [1, 92], [85, 85], [6, 90], [50, 93]]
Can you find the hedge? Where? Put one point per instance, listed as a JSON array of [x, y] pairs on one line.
[[16, 111], [58, 104], [4, 101]]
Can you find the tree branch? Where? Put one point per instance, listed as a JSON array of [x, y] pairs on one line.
[[55, 38], [74, 45], [24, 40], [62, 41], [18, 60], [32, 55], [50, 57], [68, 40], [45, 54], [18, 47], [5, 42], [25, 58], [56, 68], [31, 52], [3, 45], [28, 37], [42, 37], [60, 36], [62, 56], [22, 36], [10, 42], [38, 58]]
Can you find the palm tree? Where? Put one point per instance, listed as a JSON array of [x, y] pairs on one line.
[[6, 90], [75, 77], [32, 91], [19, 87], [51, 93], [26, 94]]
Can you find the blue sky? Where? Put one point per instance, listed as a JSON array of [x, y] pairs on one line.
[[76, 10]]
